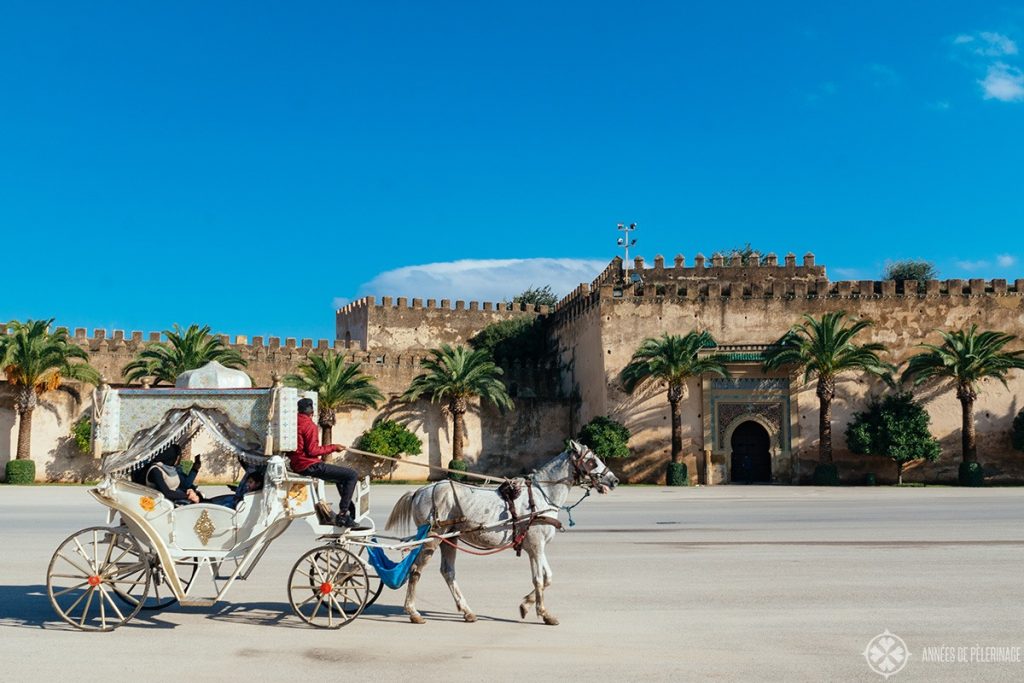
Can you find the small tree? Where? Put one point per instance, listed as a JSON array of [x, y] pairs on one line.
[[81, 432], [910, 269], [512, 339], [745, 252], [1017, 435], [540, 296], [392, 439], [895, 427], [606, 437]]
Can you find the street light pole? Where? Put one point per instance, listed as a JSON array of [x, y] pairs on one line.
[[626, 241]]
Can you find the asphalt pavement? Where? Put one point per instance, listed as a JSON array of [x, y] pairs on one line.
[[715, 583]]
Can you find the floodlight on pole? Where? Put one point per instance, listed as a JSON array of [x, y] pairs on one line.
[[626, 241]]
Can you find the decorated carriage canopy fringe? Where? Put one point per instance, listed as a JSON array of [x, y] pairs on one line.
[[180, 426]]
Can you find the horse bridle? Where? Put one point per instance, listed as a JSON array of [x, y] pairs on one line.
[[584, 470]]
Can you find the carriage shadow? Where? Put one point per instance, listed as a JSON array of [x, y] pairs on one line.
[[29, 607], [280, 614]]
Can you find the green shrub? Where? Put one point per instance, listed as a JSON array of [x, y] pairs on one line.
[[186, 466], [514, 339], [1017, 435], [895, 427], [677, 474], [606, 437], [20, 472], [971, 474], [826, 475], [390, 438], [81, 432], [459, 465]]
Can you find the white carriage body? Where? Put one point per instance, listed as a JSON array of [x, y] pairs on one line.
[[131, 426]]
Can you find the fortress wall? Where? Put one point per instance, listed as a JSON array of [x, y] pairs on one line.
[[404, 324], [902, 320]]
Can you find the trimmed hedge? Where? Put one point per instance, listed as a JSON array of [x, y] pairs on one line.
[[20, 472], [459, 465], [677, 475], [826, 475], [971, 474]]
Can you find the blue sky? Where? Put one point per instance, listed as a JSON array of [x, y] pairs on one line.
[[250, 165]]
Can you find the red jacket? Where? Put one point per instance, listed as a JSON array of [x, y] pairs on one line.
[[309, 451]]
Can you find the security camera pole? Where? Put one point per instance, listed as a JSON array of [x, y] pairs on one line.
[[626, 242]]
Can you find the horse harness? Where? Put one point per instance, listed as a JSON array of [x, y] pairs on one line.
[[509, 491]]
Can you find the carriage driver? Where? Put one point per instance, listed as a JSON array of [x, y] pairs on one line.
[[307, 460]]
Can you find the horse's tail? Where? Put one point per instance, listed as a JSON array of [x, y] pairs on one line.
[[401, 514]]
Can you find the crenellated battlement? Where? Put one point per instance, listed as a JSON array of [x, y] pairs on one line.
[[417, 323], [401, 302]]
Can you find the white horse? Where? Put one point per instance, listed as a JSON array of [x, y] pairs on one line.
[[482, 517]]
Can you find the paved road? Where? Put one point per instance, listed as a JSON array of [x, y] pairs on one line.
[[722, 583]]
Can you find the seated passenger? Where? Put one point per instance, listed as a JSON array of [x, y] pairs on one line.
[[166, 475], [252, 481]]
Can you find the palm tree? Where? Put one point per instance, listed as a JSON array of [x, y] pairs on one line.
[[338, 385], [36, 361], [824, 348], [964, 358], [454, 375], [188, 350], [670, 360]]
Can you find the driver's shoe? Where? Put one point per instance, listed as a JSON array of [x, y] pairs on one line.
[[346, 521]]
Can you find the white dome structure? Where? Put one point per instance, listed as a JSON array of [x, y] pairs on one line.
[[213, 375]]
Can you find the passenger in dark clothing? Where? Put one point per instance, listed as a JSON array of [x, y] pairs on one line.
[[166, 475]]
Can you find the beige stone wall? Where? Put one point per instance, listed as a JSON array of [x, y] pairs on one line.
[[406, 325], [901, 323]]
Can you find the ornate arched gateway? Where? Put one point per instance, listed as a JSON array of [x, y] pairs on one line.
[[751, 416]]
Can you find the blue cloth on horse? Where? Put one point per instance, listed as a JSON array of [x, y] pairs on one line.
[[394, 574]]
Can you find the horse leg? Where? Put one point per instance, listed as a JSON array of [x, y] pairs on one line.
[[541, 580], [414, 577], [448, 554]]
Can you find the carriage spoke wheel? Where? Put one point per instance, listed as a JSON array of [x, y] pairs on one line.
[[89, 569], [328, 587], [376, 584]]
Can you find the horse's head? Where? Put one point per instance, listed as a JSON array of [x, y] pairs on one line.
[[589, 470]]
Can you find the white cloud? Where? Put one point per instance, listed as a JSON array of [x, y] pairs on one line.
[[849, 273], [1004, 83], [483, 279], [972, 265], [1005, 260], [996, 45], [988, 43], [882, 75]]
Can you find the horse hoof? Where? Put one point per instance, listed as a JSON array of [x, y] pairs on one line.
[[469, 617], [522, 611], [417, 619], [550, 620]]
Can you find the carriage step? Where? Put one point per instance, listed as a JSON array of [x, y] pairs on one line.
[[198, 602]]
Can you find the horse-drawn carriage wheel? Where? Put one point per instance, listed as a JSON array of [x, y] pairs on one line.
[[376, 584], [328, 587], [86, 572]]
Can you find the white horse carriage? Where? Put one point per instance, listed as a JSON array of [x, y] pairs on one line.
[[150, 552]]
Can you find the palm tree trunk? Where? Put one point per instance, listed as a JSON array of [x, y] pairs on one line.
[[677, 428], [458, 409], [25, 435], [327, 420], [967, 436], [826, 392]]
